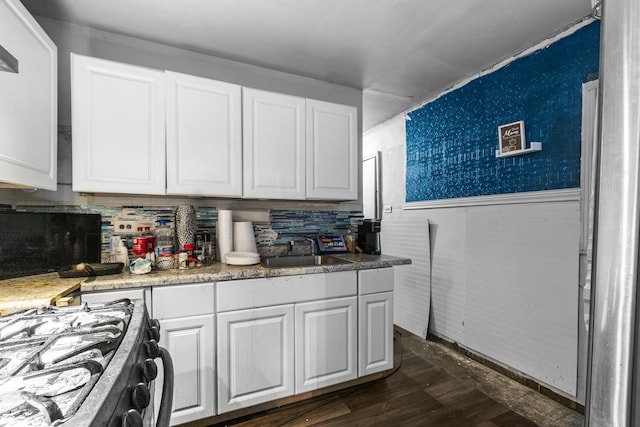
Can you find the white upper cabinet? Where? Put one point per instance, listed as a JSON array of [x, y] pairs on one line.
[[332, 151], [28, 101], [296, 148], [204, 136], [118, 117], [274, 145], [221, 140]]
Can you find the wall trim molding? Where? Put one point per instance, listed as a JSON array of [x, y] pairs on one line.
[[547, 196]]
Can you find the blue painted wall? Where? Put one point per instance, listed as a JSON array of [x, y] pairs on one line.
[[451, 141]]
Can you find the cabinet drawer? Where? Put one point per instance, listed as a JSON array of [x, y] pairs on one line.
[[374, 281], [252, 293], [183, 300], [108, 296]]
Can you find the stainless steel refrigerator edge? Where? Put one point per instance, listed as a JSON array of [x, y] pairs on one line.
[[612, 393]]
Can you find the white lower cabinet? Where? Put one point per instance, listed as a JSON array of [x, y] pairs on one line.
[[260, 358], [326, 348], [187, 331], [375, 333], [189, 340], [255, 356], [375, 323], [240, 343]]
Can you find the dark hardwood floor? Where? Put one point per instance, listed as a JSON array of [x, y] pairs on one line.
[[432, 385]]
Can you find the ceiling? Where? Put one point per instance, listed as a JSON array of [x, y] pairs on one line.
[[399, 52]]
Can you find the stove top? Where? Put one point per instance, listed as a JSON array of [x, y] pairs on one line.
[[51, 358]]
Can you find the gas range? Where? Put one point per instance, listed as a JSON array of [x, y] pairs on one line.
[[91, 365]]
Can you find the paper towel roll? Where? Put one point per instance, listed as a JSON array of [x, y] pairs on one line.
[[224, 230], [243, 238]]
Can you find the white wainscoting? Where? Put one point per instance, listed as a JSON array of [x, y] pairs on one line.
[[522, 288], [503, 282]]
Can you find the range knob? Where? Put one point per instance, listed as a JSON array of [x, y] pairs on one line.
[[154, 323], [149, 370], [152, 349], [140, 396], [132, 418], [154, 328]]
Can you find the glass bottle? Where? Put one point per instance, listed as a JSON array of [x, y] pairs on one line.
[[350, 240], [165, 242]]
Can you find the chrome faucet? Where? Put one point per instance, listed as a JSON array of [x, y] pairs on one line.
[[313, 245], [307, 240]]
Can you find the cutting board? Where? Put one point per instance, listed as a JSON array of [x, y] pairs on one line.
[[22, 295]]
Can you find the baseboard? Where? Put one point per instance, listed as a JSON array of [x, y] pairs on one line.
[[516, 376]]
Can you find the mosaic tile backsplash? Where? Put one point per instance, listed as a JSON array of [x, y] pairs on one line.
[[285, 225], [451, 141]]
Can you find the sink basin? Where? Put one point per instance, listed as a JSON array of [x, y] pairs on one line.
[[301, 261]]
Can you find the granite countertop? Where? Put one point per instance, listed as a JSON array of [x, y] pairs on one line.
[[222, 272], [215, 273]]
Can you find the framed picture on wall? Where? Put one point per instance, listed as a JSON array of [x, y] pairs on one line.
[[511, 137]]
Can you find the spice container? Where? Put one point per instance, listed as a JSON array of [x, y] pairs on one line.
[[139, 247], [183, 260]]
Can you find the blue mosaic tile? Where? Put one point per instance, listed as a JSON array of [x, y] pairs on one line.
[[451, 141], [285, 225]]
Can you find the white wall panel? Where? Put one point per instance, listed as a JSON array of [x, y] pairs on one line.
[[448, 272], [407, 235], [522, 288]]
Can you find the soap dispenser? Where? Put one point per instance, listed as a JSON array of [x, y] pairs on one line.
[[122, 255]]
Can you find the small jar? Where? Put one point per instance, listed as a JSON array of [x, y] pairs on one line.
[[183, 260], [191, 260]]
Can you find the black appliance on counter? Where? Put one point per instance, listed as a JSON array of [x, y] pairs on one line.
[[81, 366], [41, 242], [369, 236]]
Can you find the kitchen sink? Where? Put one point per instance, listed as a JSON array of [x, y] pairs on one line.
[[301, 261]]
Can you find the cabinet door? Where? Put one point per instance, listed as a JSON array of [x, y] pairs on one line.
[[325, 343], [332, 151], [273, 145], [28, 102], [375, 333], [118, 127], [190, 342], [255, 356], [204, 140]]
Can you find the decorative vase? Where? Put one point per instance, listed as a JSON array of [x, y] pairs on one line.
[[185, 225]]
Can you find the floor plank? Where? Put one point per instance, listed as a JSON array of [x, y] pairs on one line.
[[431, 385]]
